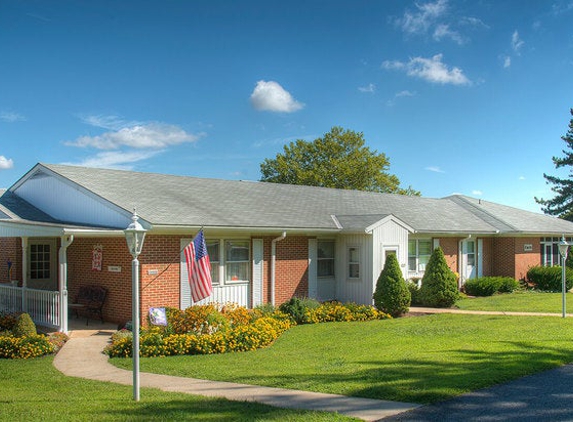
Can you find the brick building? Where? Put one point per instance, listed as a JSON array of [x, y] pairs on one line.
[[61, 227]]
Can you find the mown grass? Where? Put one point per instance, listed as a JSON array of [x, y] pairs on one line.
[[33, 390], [520, 301], [419, 359]]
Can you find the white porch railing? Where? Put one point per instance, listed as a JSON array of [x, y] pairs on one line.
[[43, 306]]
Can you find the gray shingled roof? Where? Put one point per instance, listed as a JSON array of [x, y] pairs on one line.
[[189, 201]]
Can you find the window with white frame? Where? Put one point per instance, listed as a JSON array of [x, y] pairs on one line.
[[354, 262], [550, 250], [419, 252], [213, 251], [325, 258], [237, 259]]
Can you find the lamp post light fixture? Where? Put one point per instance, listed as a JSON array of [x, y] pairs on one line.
[[134, 235], [563, 250]]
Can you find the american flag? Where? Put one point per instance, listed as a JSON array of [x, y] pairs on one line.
[[198, 268]]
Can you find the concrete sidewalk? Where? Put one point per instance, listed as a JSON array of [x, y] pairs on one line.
[[82, 357]]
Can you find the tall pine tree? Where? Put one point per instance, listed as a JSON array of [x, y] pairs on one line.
[[562, 204]]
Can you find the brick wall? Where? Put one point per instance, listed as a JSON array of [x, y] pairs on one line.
[[487, 257], [10, 249], [291, 268], [450, 247], [504, 256], [526, 259], [117, 307]]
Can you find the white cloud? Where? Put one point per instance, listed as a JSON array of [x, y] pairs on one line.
[[11, 117], [444, 31], [116, 159], [6, 163], [506, 62], [434, 169], [140, 135], [477, 192], [368, 88], [405, 93], [431, 69], [516, 42], [420, 21], [271, 96]]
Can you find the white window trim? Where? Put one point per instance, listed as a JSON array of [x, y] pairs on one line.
[[348, 262], [224, 262]]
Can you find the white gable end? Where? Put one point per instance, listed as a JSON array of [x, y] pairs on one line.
[[66, 201]]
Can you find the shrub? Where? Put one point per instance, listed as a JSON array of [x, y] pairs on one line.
[[296, 308], [392, 295], [487, 286], [550, 278], [7, 321], [439, 285], [24, 327], [414, 292]]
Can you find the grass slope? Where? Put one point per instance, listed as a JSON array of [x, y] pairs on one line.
[[33, 390], [422, 359]]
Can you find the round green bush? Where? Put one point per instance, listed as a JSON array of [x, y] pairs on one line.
[[24, 327], [392, 295], [439, 285]]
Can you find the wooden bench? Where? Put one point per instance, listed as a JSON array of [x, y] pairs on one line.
[[89, 302]]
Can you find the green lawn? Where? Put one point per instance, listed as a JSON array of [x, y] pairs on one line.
[[528, 301], [33, 390], [418, 359]]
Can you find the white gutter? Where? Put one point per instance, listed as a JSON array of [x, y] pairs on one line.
[[273, 264]]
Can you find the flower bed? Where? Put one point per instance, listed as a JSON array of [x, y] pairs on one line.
[[29, 345], [208, 329]]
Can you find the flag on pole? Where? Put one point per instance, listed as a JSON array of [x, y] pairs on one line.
[[198, 268]]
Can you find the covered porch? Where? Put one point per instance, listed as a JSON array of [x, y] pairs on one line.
[[43, 296]]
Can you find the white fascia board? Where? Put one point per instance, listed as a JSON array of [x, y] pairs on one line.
[[386, 219]]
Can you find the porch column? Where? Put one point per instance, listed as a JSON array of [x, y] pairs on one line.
[[63, 280], [24, 272]]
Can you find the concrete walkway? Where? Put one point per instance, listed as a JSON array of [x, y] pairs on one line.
[[82, 357]]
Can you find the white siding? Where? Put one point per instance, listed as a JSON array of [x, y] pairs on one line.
[[312, 269], [72, 205], [348, 289], [390, 235], [257, 272]]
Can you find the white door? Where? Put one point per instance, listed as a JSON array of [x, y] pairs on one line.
[[42, 264], [469, 267]]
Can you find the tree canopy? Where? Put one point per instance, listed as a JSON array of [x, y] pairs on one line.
[[339, 159], [561, 204]]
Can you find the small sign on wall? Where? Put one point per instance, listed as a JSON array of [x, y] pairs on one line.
[[114, 269], [528, 247]]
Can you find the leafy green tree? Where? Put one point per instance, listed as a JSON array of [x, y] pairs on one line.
[[337, 160], [392, 295], [561, 204], [439, 284]]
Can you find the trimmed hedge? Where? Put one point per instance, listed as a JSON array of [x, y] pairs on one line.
[[487, 286], [549, 279]]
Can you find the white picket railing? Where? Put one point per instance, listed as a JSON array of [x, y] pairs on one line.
[[43, 306]]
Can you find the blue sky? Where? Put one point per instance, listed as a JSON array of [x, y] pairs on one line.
[[467, 97]]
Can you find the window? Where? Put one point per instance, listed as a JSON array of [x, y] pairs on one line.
[[40, 261], [353, 262], [550, 250], [325, 258], [419, 251], [237, 260], [213, 251]]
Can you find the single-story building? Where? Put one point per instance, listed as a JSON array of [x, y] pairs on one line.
[[61, 227]]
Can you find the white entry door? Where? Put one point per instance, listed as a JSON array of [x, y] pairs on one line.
[[469, 267]]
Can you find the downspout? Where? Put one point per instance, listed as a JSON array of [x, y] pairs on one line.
[[63, 281], [273, 265]]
